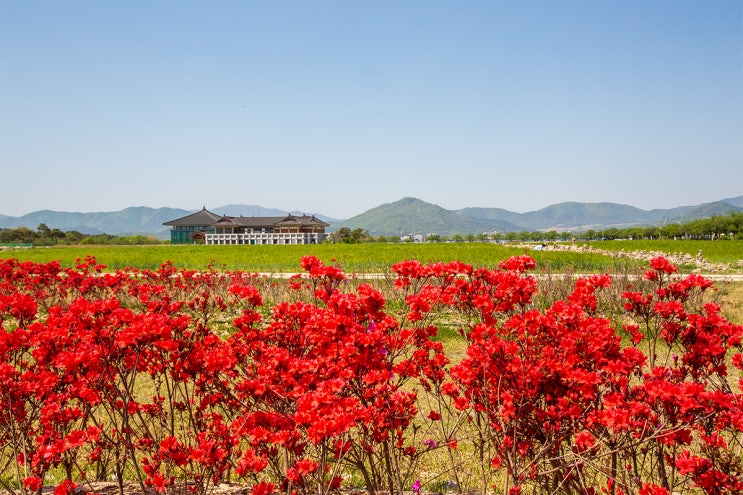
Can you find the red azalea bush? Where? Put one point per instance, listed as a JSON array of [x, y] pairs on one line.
[[180, 379]]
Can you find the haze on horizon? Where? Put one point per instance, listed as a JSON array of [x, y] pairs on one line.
[[337, 107]]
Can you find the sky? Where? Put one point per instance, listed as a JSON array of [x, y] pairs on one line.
[[338, 106]]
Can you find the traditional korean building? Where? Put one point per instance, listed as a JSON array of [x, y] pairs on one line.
[[205, 227], [192, 229]]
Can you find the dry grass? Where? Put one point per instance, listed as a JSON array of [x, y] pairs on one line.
[[731, 299]]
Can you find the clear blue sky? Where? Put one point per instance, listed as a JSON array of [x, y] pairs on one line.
[[335, 107]]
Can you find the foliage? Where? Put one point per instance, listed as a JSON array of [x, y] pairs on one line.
[[411, 216], [708, 228], [177, 378], [716, 227], [45, 236], [269, 259], [366, 258], [348, 236]]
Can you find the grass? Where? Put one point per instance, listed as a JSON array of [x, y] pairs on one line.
[[271, 259], [370, 257], [729, 252], [731, 300], [276, 259], [378, 258]]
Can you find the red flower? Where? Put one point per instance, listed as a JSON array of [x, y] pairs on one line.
[[263, 488], [661, 264], [33, 483], [650, 489], [67, 487]]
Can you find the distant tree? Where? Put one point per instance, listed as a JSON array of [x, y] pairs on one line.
[[345, 235], [73, 237], [633, 233], [340, 235], [673, 231], [650, 233], [612, 233], [18, 235], [7, 236], [361, 235], [43, 230]]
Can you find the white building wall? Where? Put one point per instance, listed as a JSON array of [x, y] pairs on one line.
[[264, 238]]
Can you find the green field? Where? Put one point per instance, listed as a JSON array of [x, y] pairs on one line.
[[728, 252], [367, 257]]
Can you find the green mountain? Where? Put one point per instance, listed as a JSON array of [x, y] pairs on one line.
[[406, 216], [137, 220], [565, 216], [413, 216], [410, 215], [737, 201]]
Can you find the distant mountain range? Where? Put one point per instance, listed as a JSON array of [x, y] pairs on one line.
[[136, 220], [406, 216], [411, 215]]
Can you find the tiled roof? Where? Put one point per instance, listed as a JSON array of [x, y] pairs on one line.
[[303, 220], [256, 222], [203, 217]]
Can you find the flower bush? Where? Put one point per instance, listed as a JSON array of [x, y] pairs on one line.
[[180, 379]]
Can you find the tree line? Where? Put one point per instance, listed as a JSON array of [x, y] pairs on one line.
[[716, 227], [46, 236]]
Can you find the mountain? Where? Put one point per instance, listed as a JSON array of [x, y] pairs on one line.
[[738, 201], [247, 211], [562, 216], [406, 216], [709, 209], [134, 220], [410, 215], [260, 211], [139, 220]]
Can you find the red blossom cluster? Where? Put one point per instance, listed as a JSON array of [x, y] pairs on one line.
[[182, 379]]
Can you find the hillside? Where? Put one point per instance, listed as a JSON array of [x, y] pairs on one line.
[[406, 216], [410, 215], [137, 220]]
